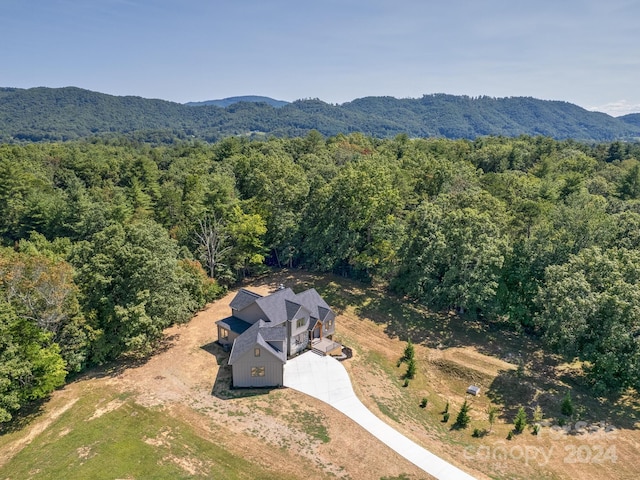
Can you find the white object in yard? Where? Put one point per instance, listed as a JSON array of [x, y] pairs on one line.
[[473, 390]]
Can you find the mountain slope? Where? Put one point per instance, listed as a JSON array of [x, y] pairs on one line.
[[631, 119], [52, 114], [225, 102]]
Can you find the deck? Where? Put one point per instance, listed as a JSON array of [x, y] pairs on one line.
[[326, 346]]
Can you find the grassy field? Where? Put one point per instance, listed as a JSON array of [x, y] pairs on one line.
[[124, 440], [175, 416]]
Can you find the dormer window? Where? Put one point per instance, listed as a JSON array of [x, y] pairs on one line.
[[256, 352], [300, 323]]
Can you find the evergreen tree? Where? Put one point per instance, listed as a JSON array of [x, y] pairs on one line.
[[567, 405], [411, 368], [463, 419], [520, 420]]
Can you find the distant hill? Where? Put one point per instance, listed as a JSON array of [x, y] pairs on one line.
[[225, 102], [631, 119], [53, 114]]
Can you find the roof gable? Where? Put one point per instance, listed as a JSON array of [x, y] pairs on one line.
[[260, 333], [243, 299], [312, 301], [274, 307]]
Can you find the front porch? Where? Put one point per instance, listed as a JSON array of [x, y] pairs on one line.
[[326, 346]]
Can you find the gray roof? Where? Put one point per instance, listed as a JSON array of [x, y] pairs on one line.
[[274, 307], [283, 304], [234, 324], [312, 301], [292, 309], [278, 308], [243, 299], [259, 334]]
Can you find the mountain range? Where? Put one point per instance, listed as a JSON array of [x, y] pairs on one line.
[[55, 114]]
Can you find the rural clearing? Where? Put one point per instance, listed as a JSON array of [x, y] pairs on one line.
[[177, 407]]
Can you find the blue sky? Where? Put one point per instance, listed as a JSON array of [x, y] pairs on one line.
[[585, 52]]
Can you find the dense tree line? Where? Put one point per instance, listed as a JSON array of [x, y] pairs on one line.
[[58, 114], [108, 242]]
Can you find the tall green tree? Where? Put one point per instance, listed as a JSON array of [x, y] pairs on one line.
[[453, 257], [590, 309], [129, 277], [30, 364]]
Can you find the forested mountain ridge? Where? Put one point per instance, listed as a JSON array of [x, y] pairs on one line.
[[225, 102], [631, 119], [53, 114]]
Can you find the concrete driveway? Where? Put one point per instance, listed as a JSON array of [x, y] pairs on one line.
[[326, 379]]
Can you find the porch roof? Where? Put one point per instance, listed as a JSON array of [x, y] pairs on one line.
[[234, 325]]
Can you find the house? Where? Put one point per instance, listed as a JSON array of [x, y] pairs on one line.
[[263, 332]]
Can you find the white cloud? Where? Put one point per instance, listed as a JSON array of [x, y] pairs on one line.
[[616, 109]]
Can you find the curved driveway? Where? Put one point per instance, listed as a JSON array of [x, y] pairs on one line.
[[326, 379]]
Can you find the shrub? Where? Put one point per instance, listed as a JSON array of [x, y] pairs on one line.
[[479, 432], [445, 417], [423, 402]]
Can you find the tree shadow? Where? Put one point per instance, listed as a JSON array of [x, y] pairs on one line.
[[114, 368], [546, 388], [23, 417], [222, 386]]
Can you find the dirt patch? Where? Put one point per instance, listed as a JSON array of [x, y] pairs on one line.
[[191, 465], [109, 407]]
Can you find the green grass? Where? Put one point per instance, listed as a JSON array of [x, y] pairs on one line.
[[310, 423], [129, 442]]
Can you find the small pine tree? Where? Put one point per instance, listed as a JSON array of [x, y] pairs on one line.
[[411, 369], [446, 407], [567, 405], [520, 421], [492, 412], [463, 419], [409, 351], [537, 414], [423, 402]]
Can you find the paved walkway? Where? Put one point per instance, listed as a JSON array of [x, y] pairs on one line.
[[326, 379]]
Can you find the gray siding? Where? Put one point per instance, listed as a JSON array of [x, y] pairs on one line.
[[273, 370], [250, 314]]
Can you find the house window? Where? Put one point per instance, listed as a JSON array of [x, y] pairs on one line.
[[300, 323], [224, 333], [257, 371], [256, 352]]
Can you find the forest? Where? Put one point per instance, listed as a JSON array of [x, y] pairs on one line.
[[106, 242]]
